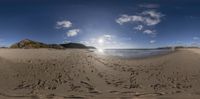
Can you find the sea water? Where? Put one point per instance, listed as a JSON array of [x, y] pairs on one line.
[[133, 53]]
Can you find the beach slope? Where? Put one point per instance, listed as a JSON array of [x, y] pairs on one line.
[[80, 73]]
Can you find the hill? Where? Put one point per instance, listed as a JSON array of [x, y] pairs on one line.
[[26, 43], [30, 44]]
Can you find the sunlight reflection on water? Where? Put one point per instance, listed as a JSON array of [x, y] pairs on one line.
[[123, 53], [100, 50]]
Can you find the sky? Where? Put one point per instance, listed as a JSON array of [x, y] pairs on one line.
[[102, 23]]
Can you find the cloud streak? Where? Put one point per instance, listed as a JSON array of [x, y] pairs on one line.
[[195, 38], [151, 6], [150, 32], [152, 41]]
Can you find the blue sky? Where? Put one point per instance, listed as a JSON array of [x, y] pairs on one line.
[[102, 23]]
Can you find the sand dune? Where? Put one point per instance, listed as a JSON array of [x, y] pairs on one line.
[[57, 74]]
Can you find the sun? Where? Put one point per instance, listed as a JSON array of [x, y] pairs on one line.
[[101, 41]]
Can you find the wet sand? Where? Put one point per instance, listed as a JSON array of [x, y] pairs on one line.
[[75, 73]]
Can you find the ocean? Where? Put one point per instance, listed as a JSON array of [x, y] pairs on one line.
[[133, 53]]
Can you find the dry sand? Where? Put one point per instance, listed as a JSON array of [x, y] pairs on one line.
[[74, 73]]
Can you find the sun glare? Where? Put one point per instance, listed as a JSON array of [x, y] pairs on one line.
[[100, 50], [101, 41]]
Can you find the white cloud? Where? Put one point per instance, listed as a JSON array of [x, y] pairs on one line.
[[195, 38], [144, 21], [123, 19], [152, 41], [152, 17], [152, 13], [73, 32], [63, 24], [139, 27], [150, 32], [126, 18], [149, 18]]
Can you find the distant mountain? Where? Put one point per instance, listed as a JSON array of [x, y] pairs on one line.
[[56, 46], [29, 44], [73, 45], [177, 47]]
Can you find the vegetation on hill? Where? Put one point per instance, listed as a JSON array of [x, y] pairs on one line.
[[29, 44]]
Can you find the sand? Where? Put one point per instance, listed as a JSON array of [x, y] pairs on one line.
[[76, 73]]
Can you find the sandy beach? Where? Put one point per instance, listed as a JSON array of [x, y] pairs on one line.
[[76, 73]]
